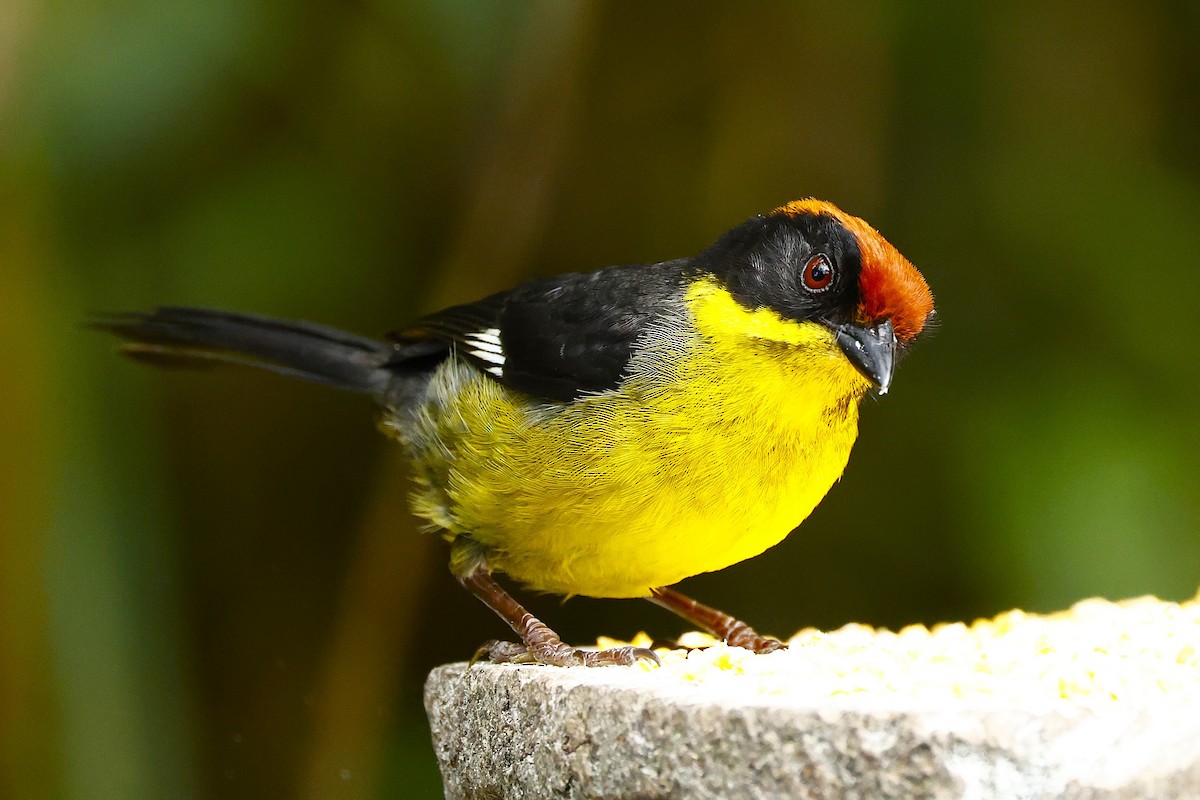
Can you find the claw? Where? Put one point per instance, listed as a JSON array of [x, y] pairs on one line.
[[644, 654], [770, 645], [622, 656]]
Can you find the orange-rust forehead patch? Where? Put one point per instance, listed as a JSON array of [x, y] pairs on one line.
[[888, 286]]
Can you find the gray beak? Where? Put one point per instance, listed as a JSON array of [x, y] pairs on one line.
[[871, 350]]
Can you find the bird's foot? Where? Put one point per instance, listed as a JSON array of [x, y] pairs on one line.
[[731, 630], [540, 645], [558, 654], [753, 641]]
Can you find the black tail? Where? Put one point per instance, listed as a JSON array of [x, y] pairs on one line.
[[194, 336]]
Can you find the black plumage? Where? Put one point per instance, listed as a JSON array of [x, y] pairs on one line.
[[761, 263], [560, 337], [176, 335]]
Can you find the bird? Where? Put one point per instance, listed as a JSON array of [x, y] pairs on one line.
[[611, 433]]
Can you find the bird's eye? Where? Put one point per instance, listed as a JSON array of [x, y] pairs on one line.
[[818, 273]]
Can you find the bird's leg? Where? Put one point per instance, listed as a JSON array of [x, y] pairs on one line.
[[541, 645], [733, 631]]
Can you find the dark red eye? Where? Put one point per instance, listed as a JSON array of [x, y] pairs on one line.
[[818, 273]]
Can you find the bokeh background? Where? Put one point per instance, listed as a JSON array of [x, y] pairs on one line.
[[209, 584]]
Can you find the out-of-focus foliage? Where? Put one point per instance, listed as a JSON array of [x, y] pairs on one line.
[[209, 585]]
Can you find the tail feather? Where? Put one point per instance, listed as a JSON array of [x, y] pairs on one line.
[[175, 336]]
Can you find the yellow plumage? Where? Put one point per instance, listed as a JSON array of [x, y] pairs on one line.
[[727, 430]]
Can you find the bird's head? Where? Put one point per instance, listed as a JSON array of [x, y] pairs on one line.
[[809, 263]]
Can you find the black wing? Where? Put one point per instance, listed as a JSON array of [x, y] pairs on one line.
[[558, 338]]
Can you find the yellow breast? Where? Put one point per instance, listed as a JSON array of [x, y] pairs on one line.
[[728, 430]]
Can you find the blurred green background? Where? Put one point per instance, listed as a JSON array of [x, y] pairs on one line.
[[209, 584]]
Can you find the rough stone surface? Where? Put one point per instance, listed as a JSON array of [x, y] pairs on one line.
[[702, 726]]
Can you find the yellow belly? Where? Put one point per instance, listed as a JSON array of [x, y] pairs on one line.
[[681, 471]]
